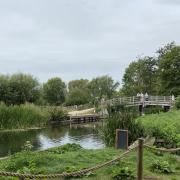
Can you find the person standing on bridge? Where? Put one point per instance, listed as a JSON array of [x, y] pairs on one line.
[[146, 96], [142, 98]]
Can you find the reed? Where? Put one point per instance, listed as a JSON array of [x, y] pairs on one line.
[[22, 116]]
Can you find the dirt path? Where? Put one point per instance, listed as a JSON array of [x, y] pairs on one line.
[[82, 112]]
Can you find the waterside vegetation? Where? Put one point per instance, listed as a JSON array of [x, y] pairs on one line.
[[29, 116], [72, 157]]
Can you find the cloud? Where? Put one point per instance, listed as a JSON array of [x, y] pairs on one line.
[[82, 38]]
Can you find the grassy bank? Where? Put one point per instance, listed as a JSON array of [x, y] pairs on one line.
[[70, 158], [28, 116], [163, 126]]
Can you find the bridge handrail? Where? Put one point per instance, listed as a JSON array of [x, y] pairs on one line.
[[135, 100]]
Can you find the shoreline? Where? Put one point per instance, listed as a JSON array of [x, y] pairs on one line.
[[21, 130]]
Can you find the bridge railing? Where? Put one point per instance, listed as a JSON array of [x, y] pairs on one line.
[[141, 100]]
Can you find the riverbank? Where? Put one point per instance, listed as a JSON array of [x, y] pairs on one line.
[[164, 126], [69, 158]]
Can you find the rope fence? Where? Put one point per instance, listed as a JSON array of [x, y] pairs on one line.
[[162, 149], [64, 174], [139, 148]]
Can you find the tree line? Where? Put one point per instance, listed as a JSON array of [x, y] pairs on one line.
[[20, 88], [158, 75]]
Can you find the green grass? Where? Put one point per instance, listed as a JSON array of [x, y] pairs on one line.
[[22, 116], [70, 158], [163, 126], [28, 116]]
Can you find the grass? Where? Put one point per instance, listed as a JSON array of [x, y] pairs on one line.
[[22, 116], [163, 126], [27, 116], [70, 158]]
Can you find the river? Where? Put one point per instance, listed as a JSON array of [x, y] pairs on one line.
[[41, 139]]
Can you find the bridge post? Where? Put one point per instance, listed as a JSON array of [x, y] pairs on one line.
[[141, 109]]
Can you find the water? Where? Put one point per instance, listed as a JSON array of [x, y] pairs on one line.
[[86, 136]]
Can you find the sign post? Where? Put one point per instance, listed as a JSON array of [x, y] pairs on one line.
[[121, 141]]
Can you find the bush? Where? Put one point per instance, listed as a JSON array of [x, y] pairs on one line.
[[57, 114], [123, 120], [161, 167], [177, 103], [164, 126], [123, 174]]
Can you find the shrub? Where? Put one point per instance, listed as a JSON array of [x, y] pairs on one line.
[[27, 146], [177, 103], [164, 126], [161, 167], [57, 114], [123, 174], [123, 120]]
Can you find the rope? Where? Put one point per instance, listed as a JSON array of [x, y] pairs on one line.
[[161, 149], [64, 174]]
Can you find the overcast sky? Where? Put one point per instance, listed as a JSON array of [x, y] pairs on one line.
[[75, 39]]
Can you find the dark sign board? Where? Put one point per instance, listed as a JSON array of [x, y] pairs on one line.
[[121, 139]]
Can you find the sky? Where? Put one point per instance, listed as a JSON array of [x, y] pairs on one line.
[[75, 39]]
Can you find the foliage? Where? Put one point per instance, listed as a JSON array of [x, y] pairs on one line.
[[153, 109], [124, 120], [123, 174], [65, 148], [77, 97], [161, 167], [140, 76], [162, 51], [78, 93], [22, 116], [49, 162], [154, 75], [27, 146], [169, 65], [163, 126], [103, 86], [54, 91], [78, 84], [19, 88], [57, 114], [177, 103]]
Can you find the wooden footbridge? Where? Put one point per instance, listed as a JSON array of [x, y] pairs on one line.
[[141, 100], [84, 118]]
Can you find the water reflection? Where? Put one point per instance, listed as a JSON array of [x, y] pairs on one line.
[[87, 137]]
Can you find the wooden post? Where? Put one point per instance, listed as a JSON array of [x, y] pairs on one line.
[[140, 159]]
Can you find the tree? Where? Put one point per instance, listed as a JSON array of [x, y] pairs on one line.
[[4, 80], [169, 71], [19, 88], [77, 97], [78, 92], [78, 84], [54, 91], [165, 49], [140, 76], [103, 86]]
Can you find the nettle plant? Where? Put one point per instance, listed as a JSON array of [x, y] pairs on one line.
[[161, 167], [123, 173]]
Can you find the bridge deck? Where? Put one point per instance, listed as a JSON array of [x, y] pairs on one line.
[[145, 101]]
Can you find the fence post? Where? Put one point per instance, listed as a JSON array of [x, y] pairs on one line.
[[140, 159]]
